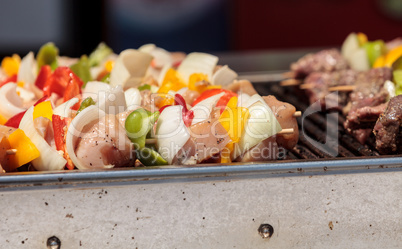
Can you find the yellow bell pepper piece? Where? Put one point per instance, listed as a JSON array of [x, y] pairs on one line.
[[172, 81], [109, 65], [3, 120], [362, 38], [379, 62], [233, 119], [392, 56], [10, 65], [43, 109], [198, 77], [163, 99], [26, 151]]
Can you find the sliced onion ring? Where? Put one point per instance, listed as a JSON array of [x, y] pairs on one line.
[[50, 158], [85, 117]]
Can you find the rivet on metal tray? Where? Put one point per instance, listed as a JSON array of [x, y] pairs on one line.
[[53, 243], [266, 231]]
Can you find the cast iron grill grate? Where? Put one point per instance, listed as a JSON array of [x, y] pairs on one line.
[[315, 127]]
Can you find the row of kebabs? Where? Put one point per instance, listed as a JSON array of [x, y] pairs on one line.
[[143, 106], [367, 95]]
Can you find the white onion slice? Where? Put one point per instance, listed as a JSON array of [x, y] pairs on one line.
[[242, 98], [10, 103], [197, 63], [92, 88], [171, 133], [224, 76], [133, 98], [203, 109], [389, 86], [25, 95], [161, 56], [261, 124], [27, 69], [50, 158], [88, 115], [129, 68], [64, 110], [359, 61], [112, 101]]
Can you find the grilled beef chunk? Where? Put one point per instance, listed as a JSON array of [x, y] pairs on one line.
[[324, 61], [369, 92], [322, 81], [388, 128]]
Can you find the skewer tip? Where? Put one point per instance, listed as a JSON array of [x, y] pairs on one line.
[[290, 82], [297, 114], [11, 151]]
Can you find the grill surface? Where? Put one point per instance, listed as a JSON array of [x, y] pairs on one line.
[[315, 126]]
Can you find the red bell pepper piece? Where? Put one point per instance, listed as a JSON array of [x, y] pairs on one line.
[[12, 78], [44, 74], [188, 115], [59, 81], [15, 120], [60, 126], [222, 102]]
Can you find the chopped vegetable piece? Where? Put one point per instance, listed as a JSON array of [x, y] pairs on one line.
[[187, 114], [10, 65], [82, 69], [44, 74], [8, 80], [59, 80], [138, 124], [85, 103], [150, 157], [26, 151], [47, 55], [374, 50], [16, 119], [221, 102], [43, 109], [144, 87], [60, 127], [99, 54], [3, 120]]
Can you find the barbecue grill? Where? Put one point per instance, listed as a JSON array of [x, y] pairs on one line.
[[329, 191]]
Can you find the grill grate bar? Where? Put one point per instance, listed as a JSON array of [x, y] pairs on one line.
[[316, 126]]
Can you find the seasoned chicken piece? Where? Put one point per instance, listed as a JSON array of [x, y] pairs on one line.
[[273, 147], [242, 86], [284, 114], [208, 138], [104, 144]]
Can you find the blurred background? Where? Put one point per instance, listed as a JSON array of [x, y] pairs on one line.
[[215, 26]]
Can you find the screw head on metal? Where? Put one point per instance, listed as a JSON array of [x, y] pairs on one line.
[[266, 231], [53, 243]]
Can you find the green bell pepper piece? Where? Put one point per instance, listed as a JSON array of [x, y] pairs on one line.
[[149, 157], [47, 55], [85, 103], [138, 124], [374, 50], [144, 87], [99, 54], [82, 69]]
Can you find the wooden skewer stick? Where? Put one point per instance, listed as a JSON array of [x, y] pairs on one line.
[[297, 114], [346, 88], [286, 131], [150, 141], [290, 82], [11, 151], [289, 74], [307, 86]]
